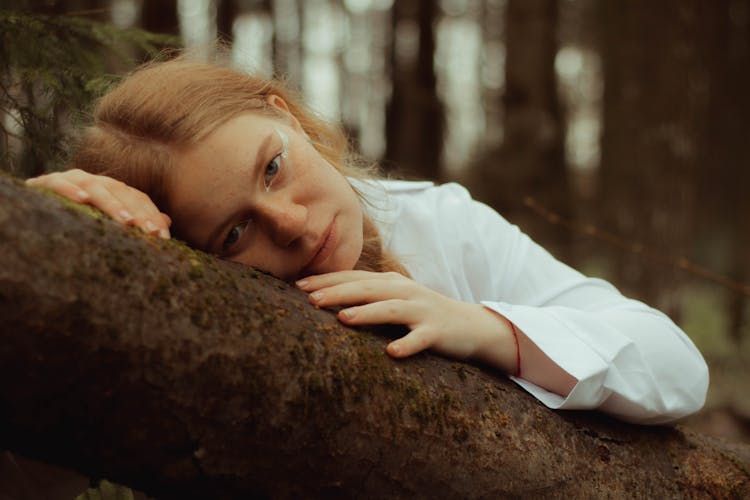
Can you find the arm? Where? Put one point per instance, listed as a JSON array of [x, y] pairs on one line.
[[582, 344], [531, 363], [625, 357]]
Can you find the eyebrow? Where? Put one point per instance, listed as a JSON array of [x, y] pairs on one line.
[[221, 228]]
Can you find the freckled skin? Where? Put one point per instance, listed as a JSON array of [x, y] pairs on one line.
[[219, 180]]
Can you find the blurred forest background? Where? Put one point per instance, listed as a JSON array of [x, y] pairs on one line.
[[615, 133]]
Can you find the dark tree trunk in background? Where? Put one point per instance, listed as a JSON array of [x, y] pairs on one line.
[[226, 13], [659, 61], [530, 161], [142, 361], [160, 16], [724, 214], [415, 122]]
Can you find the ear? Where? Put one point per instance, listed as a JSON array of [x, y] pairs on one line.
[[283, 109]]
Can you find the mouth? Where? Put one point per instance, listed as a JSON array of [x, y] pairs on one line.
[[324, 249]]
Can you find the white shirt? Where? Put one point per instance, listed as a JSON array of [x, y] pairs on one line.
[[630, 360]]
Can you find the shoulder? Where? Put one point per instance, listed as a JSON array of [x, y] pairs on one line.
[[411, 206], [399, 186], [381, 188], [414, 191], [416, 202]]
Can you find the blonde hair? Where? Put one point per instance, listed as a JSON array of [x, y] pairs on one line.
[[163, 106]]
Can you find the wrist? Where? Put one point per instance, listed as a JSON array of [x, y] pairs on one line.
[[497, 343]]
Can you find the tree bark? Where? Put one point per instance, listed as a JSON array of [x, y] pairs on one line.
[[145, 362]]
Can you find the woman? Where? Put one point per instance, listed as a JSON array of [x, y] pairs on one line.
[[245, 172]]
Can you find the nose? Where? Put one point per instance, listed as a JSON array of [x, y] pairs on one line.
[[284, 220]]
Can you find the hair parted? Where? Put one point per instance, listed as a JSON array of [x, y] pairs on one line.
[[165, 106]]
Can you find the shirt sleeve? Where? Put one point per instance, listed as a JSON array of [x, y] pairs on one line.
[[630, 360]]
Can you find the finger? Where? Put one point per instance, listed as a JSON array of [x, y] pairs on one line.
[[61, 186], [415, 341], [105, 200], [319, 281], [146, 214], [166, 219], [363, 292], [393, 311]]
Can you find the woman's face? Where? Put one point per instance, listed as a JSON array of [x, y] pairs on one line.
[[255, 191]]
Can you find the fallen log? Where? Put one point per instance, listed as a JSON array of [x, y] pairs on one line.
[[148, 363]]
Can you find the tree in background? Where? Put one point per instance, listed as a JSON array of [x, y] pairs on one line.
[[52, 66], [530, 160], [724, 170], [659, 79], [160, 16], [414, 120], [226, 12]]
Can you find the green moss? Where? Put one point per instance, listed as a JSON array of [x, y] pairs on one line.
[[196, 269], [77, 208]]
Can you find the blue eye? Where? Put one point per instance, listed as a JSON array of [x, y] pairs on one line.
[[272, 170], [234, 235]]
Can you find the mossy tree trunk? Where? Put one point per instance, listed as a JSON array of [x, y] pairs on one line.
[[142, 361]]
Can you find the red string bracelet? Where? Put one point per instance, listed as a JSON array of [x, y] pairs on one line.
[[518, 348]]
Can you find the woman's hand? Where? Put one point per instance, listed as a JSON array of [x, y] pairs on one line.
[[450, 327], [116, 199]]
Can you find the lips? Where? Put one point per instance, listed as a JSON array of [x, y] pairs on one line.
[[324, 249]]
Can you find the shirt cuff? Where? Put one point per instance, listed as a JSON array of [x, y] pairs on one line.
[[585, 357]]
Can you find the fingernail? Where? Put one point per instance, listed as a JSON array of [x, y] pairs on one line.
[[125, 216], [164, 234], [151, 227], [394, 348], [302, 283], [316, 296], [82, 195], [347, 313]]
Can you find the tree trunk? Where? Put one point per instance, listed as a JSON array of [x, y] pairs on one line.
[[661, 76], [160, 16], [142, 361], [226, 13], [725, 174], [414, 116], [531, 160]]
